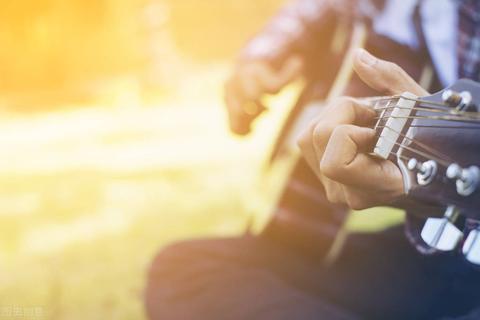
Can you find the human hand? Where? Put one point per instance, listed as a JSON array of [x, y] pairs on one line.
[[337, 142], [249, 82]]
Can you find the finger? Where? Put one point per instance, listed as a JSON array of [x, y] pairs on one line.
[[249, 81], [306, 146], [346, 162], [357, 198], [239, 120], [313, 140], [334, 191], [344, 111], [384, 76], [342, 149], [347, 110]]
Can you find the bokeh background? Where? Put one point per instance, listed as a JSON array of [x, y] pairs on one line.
[[114, 143]]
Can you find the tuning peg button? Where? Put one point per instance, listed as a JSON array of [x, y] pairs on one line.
[[471, 247], [441, 233], [426, 171], [467, 179], [459, 100]]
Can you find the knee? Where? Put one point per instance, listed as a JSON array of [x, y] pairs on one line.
[[173, 280], [170, 264], [170, 257], [173, 261]]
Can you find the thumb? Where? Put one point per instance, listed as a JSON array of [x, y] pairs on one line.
[[384, 76]]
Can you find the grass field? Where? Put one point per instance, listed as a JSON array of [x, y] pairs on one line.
[[88, 196]]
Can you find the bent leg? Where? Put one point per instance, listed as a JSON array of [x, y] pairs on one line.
[[230, 279], [378, 276]]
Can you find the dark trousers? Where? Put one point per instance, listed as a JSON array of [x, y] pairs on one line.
[[377, 276]]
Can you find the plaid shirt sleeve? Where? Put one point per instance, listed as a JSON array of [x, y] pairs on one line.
[[468, 47], [292, 30], [468, 54]]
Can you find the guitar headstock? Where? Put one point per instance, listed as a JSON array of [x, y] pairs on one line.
[[435, 141]]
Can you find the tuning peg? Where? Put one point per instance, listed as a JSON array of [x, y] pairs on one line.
[[471, 247], [441, 233], [459, 100], [466, 179], [426, 171]]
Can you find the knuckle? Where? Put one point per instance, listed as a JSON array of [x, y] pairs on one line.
[[321, 132], [272, 88], [329, 169], [341, 131], [304, 139], [332, 195], [398, 72], [355, 201], [392, 66], [343, 102], [228, 89], [395, 72], [384, 83]]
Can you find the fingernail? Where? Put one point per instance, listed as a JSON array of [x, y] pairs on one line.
[[366, 57]]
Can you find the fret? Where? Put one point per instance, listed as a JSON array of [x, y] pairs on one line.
[[395, 124]]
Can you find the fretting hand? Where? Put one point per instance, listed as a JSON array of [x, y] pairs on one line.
[[337, 142]]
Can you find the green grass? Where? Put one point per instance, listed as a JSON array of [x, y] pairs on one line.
[[89, 197]]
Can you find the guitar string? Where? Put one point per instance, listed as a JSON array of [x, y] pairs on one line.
[[432, 103], [434, 153], [452, 114], [450, 117], [440, 105], [449, 112], [422, 153], [418, 152], [420, 144], [398, 156], [439, 118], [446, 127]]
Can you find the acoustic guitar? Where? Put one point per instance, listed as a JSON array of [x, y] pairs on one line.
[[299, 192], [434, 140]]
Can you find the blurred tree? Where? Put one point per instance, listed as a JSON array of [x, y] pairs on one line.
[[58, 44], [216, 29], [51, 43]]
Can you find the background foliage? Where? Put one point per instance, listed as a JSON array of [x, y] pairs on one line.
[[115, 144]]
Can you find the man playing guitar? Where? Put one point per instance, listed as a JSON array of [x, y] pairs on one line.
[[280, 274]]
